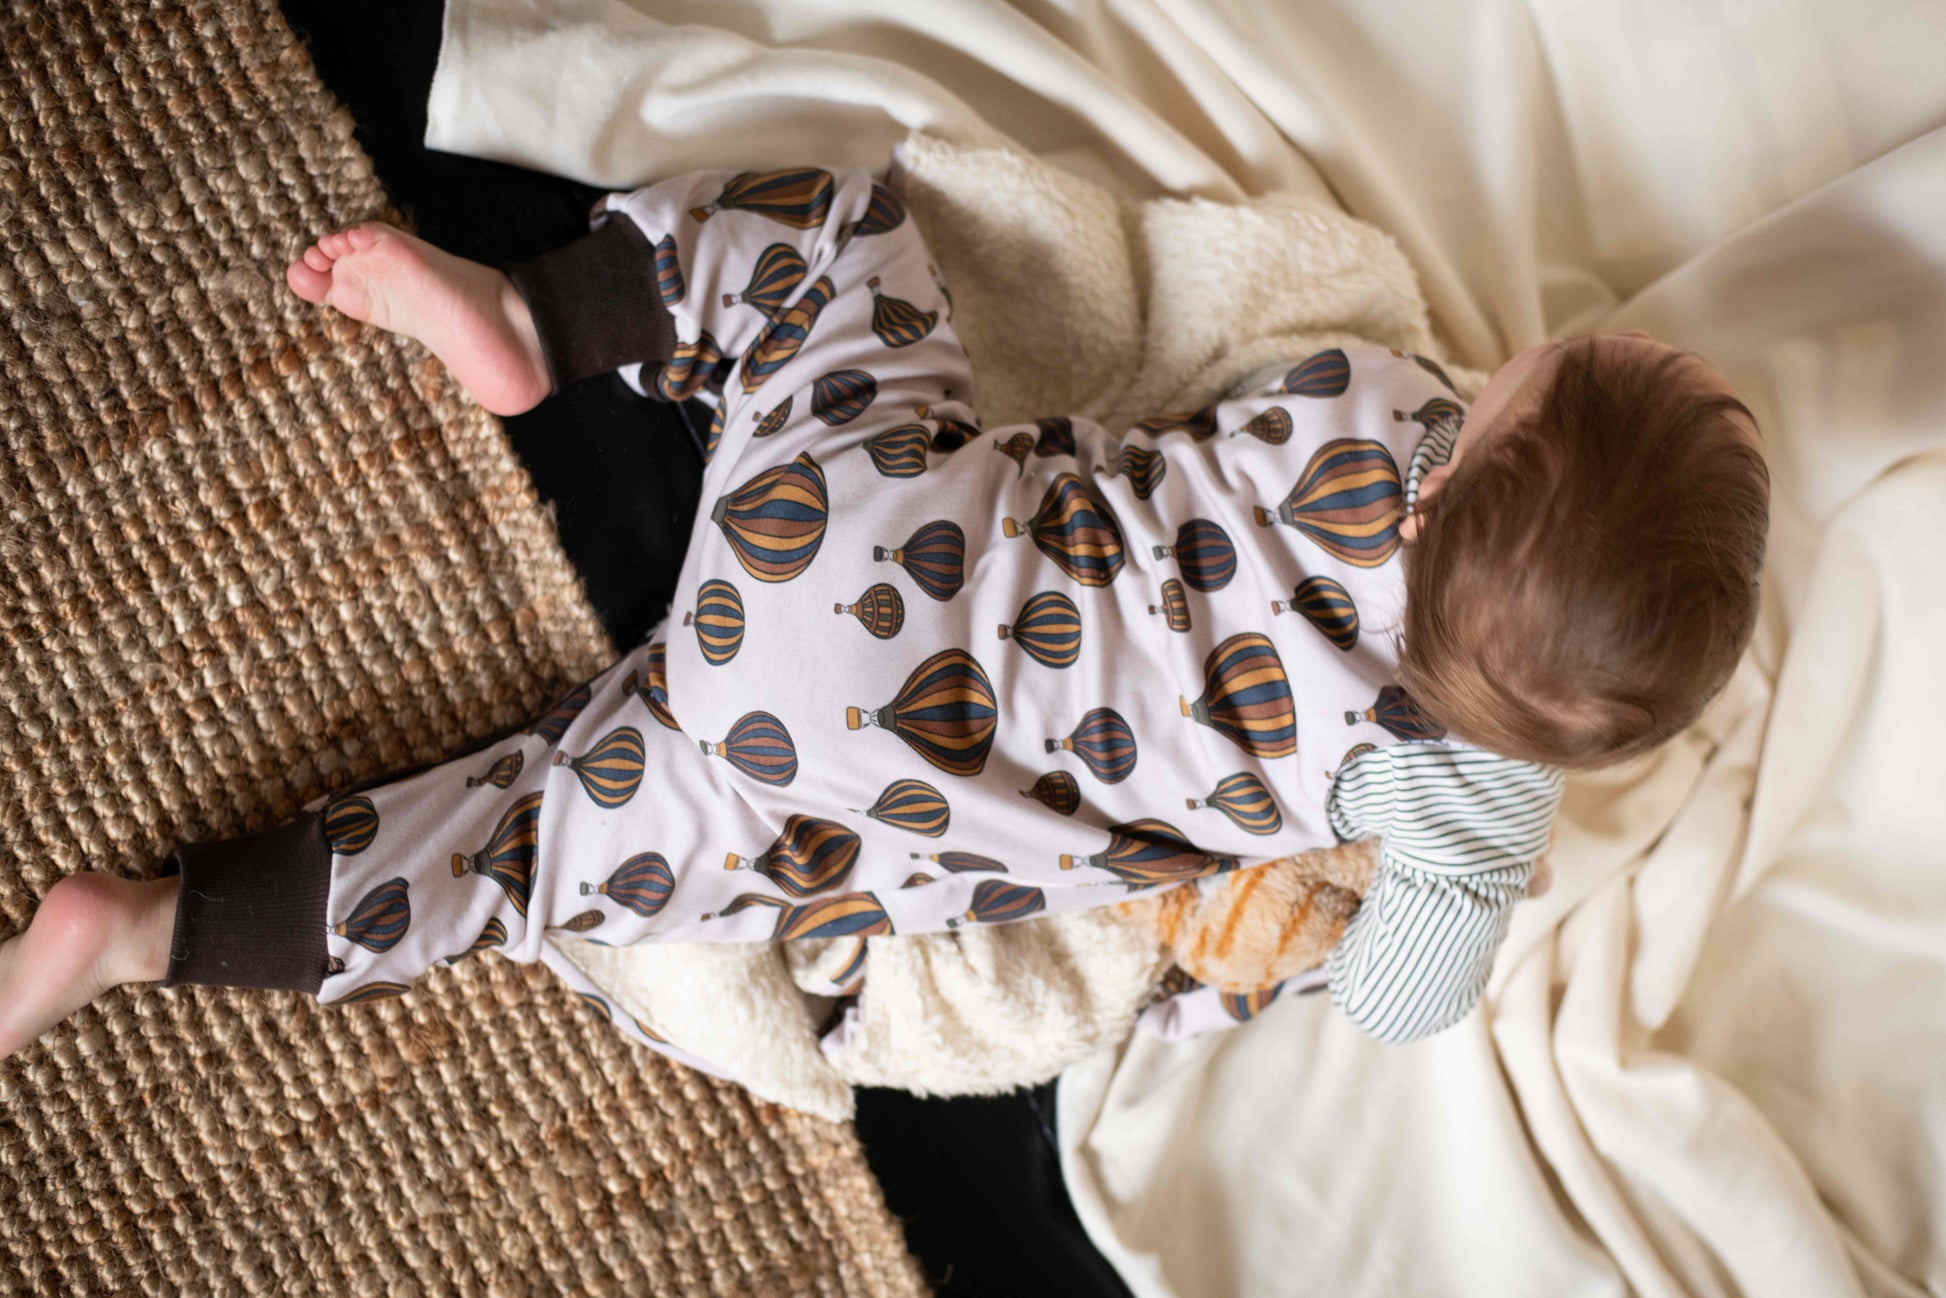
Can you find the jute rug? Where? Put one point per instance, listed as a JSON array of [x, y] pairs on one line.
[[249, 553]]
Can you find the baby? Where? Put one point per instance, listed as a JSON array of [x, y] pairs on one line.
[[922, 674]]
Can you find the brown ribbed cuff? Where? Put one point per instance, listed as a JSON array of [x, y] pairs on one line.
[[595, 303], [251, 912]]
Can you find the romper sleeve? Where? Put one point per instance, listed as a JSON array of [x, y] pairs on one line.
[[1460, 830]]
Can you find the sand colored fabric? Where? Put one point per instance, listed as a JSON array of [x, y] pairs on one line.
[[251, 550]]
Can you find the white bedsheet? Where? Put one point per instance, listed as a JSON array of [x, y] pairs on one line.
[[1713, 1059]]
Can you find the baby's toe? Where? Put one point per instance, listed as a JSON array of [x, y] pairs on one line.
[[335, 244], [317, 259], [363, 237], [309, 284]]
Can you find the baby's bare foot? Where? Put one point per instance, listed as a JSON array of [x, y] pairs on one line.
[[468, 315], [93, 933]]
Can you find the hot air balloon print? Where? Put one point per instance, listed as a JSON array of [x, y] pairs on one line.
[[842, 395], [1075, 531], [1244, 1006], [882, 215], [1103, 742], [1048, 628], [1199, 424], [718, 619], [333, 966], [1429, 366], [694, 366], [799, 197], [1272, 427], [553, 723], [1401, 717], [1349, 501], [1145, 469], [1438, 410], [1016, 448], [810, 856], [1204, 550], [501, 774], [1326, 374], [996, 902], [586, 920], [380, 918], [350, 825], [508, 857], [596, 1006], [917, 879], [775, 522], [781, 337], [963, 862], [951, 434], [612, 771], [1056, 436], [899, 452], [1244, 799], [668, 271], [654, 690], [946, 713], [1353, 753], [491, 935], [643, 884], [880, 610], [1177, 982], [714, 437], [379, 990], [774, 422], [897, 322], [1174, 606], [934, 557], [1327, 606], [912, 805], [760, 747], [779, 269], [1057, 791], [848, 914], [1247, 697], [1152, 852]]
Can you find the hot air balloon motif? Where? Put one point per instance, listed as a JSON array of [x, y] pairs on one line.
[[350, 825], [586, 920], [940, 284], [809, 857], [779, 270], [799, 197], [508, 857], [1056, 436], [380, 918], [934, 557], [1429, 366], [1349, 500], [596, 1006], [611, 772], [1272, 427], [1075, 531], [882, 215], [880, 610], [333, 966], [1244, 1006], [1151, 852], [1145, 469], [775, 522], [553, 723], [1327, 374], [917, 879], [963, 862], [1199, 424], [1435, 411], [913, 805], [1103, 742], [492, 935], [1400, 716], [842, 395], [1204, 550], [1247, 697], [643, 884], [848, 914], [1177, 982], [668, 271], [781, 337], [951, 433], [774, 422], [995, 902], [946, 713], [896, 321], [654, 691], [1017, 448], [1174, 606], [374, 991], [1048, 627], [1244, 799], [501, 774], [714, 437], [1057, 791], [718, 619], [1353, 753], [760, 747], [691, 369], [1327, 606], [899, 452], [647, 1031]]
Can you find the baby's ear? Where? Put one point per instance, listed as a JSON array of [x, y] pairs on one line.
[[1428, 488]]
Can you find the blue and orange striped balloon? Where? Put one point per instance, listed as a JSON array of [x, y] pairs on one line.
[[952, 433], [1056, 436], [810, 856], [668, 271], [934, 557], [501, 774], [899, 452], [1349, 500], [1327, 606], [1436, 411], [1174, 606], [1016, 448], [775, 522], [718, 619], [1244, 1006], [849, 914], [897, 322], [508, 857], [912, 805], [1152, 852], [780, 268], [883, 214], [1353, 753], [643, 883], [799, 197], [654, 691], [378, 990], [1327, 374], [554, 722], [1177, 982], [596, 1006], [1199, 424], [380, 918], [1103, 742], [774, 422], [1244, 799], [1401, 717], [946, 713], [1057, 791], [1429, 366], [491, 935], [760, 747], [781, 337], [350, 825], [1075, 531], [917, 879], [694, 366], [997, 902], [1247, 697], [587, 919], [612, 771], [714, 437], [1272, 427], [1048, 627], [1207, 556], [842, 395], [963, 862], [880, 610], [1145, 469]]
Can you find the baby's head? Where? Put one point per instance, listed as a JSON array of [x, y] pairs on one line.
[[1581, 576]]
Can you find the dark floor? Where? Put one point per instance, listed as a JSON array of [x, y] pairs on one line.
[[976, 1181]]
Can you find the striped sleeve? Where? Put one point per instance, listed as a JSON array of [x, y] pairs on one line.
[[1460, 830]]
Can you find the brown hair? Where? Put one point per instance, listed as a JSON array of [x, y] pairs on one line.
[[1586, 580]]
